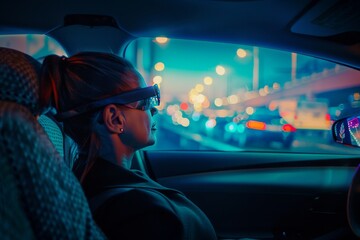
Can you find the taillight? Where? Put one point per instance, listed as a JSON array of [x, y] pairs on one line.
[[256, 125], [288, 128], [327, 117]]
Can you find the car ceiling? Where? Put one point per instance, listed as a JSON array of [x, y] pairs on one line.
[[311, 27]]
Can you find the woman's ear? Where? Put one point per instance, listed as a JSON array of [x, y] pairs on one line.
[[113, 119]]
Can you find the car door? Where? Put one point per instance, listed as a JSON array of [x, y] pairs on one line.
[[266, 190]]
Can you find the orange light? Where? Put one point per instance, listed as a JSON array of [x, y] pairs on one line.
[[241, 53], [256, 125], [288, 128], [161, 40], [159, 66]]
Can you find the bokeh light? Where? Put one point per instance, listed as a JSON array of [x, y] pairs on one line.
[[218, 102], [220, 70], [233, 99], [161, 40], [208, 80], [241, 53], [249, 110], [199, 88], [211, 123], [157, 79], [159, 66]]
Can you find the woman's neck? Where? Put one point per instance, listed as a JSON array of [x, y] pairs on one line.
[[113, 150]]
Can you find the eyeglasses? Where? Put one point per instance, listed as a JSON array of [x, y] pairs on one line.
[[150, 97]]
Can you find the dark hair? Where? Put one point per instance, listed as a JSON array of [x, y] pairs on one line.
[[67, 83]]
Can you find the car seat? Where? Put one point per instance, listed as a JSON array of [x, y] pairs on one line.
[[44, 193]]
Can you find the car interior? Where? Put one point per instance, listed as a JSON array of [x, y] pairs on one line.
[[305, 189]]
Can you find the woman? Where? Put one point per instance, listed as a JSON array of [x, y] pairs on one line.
[[109, 111]]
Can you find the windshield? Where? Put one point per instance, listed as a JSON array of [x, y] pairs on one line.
[[235, 97]]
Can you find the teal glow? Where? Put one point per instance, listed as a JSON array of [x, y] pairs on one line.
[[240, 128], [195, 116], [230, 127]]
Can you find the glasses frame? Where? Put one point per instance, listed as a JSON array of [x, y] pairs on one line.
[[121, 99]]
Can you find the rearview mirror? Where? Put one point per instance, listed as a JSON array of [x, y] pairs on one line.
[[347, 131]]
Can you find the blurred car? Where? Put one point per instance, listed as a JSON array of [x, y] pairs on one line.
[[213, 59], [265, 127]]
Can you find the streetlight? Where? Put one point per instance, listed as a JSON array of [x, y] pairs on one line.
[[241, 53], [220, 70], [161, 40], [159, 66]]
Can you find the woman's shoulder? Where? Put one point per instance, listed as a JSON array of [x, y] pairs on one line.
[[134, 209], [139, 199]]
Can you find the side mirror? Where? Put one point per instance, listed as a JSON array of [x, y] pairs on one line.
[[347, 131]]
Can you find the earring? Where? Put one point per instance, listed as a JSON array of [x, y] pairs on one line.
[[121, 130]]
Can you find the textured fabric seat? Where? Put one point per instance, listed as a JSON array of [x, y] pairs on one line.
[[62, 143], [39, 196], [54, 132]]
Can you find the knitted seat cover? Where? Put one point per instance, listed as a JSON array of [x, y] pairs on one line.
[[39, 196]]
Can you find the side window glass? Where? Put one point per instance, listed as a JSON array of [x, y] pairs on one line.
[[35, 45], [235, 97]]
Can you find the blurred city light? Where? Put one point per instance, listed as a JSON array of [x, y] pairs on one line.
[[267, 89], [199, 88], [200, 98], [161, 40], [233, 99], [157, 79], [211, 123], [185, 122], [273, 105], [240, 128], [184, 106], [231, 127], [159, 66], [241, 53], [220, 70], [218, 102], [258, 125], [196, 116], [262, 92], [172, 109], [206, 103], [249, 110], [208, 80], [276, 86], [356, 96]]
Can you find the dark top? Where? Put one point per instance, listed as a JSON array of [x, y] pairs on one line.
[[145, 210]]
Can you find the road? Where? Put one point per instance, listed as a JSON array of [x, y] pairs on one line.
[[171, 137]]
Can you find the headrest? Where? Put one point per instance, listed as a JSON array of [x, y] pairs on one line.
[[19, 79], [51, 195]]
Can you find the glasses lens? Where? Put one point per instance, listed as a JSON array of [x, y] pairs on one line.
[[150, 102], [157, 96]]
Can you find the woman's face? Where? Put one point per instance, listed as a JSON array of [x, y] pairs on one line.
[[139, 126]]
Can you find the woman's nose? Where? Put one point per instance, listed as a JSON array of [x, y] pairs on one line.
[[154, 111]]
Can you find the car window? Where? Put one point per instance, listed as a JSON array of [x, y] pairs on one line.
[[36, 45], [217, 96]]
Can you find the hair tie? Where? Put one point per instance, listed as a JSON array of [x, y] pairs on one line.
[[63, 61]]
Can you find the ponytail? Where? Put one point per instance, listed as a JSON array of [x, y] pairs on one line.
[[50, 80]]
